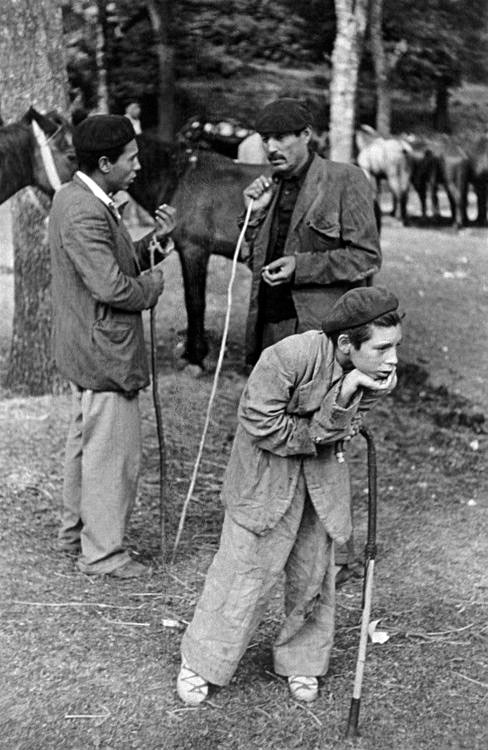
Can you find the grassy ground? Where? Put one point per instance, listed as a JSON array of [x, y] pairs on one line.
[[92, 663]]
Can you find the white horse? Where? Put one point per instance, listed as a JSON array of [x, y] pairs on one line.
[[389, 159]]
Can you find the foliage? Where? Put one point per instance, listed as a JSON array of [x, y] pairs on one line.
[[444, 41], [210, 37]]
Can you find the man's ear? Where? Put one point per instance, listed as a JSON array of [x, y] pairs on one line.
[[104, 164], [308, 133], [344, 343]]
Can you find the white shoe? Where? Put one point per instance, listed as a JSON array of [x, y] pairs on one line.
[[191, 688], [302, 688]]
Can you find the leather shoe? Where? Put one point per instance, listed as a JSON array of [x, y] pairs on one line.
[[73, 549], [131, 569]]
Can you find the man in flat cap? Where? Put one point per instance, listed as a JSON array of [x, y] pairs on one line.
[[312, 236], [100, 285], [287, 497]]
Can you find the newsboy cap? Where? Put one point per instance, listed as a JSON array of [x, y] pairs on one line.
[[358, 307], [283, 116], [102, 132]]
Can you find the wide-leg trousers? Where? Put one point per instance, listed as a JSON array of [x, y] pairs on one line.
[[237, 590], [101, 471]]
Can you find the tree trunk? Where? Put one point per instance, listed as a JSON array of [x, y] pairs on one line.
[[100, 22], [160, 17], [33, 72], [383, 98], [442, 121], [351, 18]]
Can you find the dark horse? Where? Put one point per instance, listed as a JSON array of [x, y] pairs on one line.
[[206, 189], [21, 162]]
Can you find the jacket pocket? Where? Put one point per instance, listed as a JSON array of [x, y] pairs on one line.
[[119, 350], [324, 232]]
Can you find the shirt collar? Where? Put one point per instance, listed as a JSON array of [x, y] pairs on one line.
[[99, 193]]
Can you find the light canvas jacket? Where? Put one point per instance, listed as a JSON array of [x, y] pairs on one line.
[[98, 293], [288, 421], [334, 238]]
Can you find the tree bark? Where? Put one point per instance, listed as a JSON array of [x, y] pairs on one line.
[[381, 69], [100, 23], [160, 16], [33, 72], [351, 18]]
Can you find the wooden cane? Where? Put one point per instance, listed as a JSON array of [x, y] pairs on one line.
[[153, 246], [370, 555]]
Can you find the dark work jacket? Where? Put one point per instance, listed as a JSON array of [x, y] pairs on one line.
[[334, 237], [98, 293]]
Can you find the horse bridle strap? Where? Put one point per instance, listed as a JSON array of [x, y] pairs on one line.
[[46, 156]]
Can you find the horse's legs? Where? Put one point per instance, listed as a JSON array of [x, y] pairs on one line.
[[481, 190], [194, 263]]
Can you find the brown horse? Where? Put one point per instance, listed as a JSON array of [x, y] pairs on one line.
[[21, 160], [206, 190]]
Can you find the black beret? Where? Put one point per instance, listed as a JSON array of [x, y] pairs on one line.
[[283, 116], [358, 307], [102, 133]]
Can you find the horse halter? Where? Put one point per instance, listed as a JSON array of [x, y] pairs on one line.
[[46, 154]]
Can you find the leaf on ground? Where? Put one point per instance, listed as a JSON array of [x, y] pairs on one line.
[[377, 636]]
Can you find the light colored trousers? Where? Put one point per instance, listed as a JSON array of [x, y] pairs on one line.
[[102, 464], [237, 590]]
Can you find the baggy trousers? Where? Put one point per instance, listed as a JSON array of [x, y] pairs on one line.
[[102, 464], [237, 590]]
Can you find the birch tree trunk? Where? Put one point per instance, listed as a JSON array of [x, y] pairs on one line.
[[100, 23], [160, 17], [351, 17], [33, 72]]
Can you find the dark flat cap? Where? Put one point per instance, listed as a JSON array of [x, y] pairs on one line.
[[283, 116], [358, 307], [102, 132]]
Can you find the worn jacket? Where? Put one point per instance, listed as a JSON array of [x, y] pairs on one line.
[[98, 293], [289, 421], [334, 237]]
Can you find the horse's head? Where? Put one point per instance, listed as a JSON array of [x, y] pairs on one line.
[[53, 147], [191, 132]]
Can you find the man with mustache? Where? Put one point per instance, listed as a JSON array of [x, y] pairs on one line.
[[312, 237]]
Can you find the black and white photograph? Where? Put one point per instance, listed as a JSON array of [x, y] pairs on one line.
[[244, 374]]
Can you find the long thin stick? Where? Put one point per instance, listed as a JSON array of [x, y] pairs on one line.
[[157, 409], [215, 381], [370, 555]]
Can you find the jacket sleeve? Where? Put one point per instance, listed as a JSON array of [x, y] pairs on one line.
[[332, 422], [255, 221], [358, 256], [263, 407], [88, 242]]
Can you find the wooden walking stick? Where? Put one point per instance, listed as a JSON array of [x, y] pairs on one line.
[[370, 555], [153, 246]]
